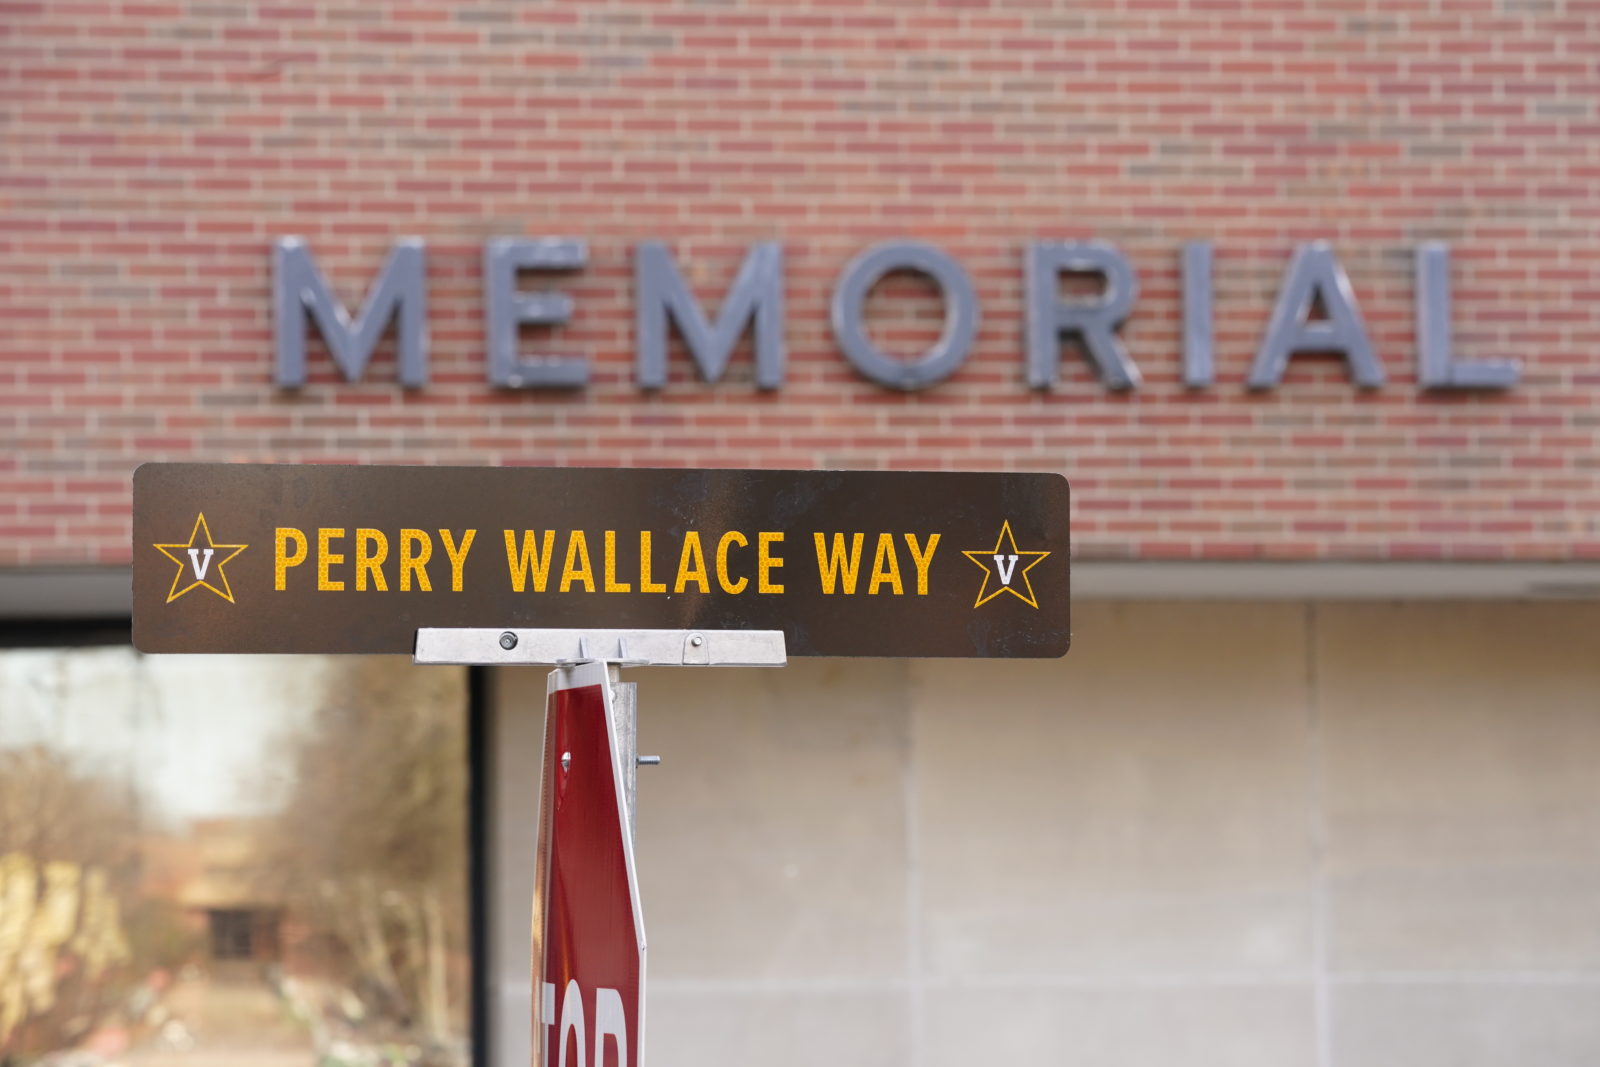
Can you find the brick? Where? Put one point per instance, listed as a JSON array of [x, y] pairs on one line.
[[151, 173]]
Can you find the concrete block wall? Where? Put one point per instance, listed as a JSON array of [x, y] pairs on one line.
[[1230, 834]]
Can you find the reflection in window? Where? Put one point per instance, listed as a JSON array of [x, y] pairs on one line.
[[207, 857], [245, 934]]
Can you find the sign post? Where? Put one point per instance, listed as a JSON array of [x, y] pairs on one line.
[[588, 924], [591, 571]]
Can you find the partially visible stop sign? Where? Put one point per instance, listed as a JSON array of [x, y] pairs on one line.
[[589, 956]]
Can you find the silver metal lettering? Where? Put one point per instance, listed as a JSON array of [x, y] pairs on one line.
[[300, 291], [1436, 367], [960, 314], [1095, 322], [1315, 273], [1199, 360], [505, 309], [660, 293]]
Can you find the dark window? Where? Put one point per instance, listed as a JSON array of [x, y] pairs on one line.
[[231, 935]]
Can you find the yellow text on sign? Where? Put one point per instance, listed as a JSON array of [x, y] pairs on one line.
[[730, 560], [839, 563], [364, 559], [367, 553]]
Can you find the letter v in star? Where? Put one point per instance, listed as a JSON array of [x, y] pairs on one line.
[[200, 562], [1000, 568]]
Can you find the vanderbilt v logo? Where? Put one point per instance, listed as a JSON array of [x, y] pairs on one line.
[[196, 560], [200, 566], [1001, 562]]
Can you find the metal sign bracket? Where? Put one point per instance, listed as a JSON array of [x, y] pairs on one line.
[[621, 648], [487, 647], [575, 653]]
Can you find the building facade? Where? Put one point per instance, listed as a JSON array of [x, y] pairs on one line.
[[1299, 298]]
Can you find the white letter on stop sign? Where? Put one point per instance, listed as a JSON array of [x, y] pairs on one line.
[[572, 1019], [610, 1020]]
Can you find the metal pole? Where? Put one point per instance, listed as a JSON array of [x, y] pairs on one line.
[[625, 708]]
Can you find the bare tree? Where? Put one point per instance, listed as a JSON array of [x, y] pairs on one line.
[[68, 867], [370, 847]]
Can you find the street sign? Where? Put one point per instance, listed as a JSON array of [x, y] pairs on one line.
[[259, 558], [589, 930]]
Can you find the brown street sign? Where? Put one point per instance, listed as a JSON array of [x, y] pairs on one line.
[[263, 558]]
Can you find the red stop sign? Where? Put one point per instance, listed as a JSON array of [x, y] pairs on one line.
[[588, 1003]]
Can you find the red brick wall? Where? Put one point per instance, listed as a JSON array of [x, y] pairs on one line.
[[152, 151]]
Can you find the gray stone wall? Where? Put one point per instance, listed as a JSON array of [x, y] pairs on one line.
[[1275, 834]]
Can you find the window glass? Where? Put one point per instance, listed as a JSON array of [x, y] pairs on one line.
[[232, 859]]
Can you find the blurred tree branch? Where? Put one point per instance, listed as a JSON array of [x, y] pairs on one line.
[[370, 849]]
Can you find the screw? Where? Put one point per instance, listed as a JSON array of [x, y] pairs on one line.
[[566, 760], [508, 640], [696, 640], [649, 761]]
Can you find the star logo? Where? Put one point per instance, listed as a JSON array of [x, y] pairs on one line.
[[1000, 567], [199, 561]]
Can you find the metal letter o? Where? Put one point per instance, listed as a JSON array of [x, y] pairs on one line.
[[960, 314]]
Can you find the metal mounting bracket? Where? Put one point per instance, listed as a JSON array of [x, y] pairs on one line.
[[476, 647], [625, 648]]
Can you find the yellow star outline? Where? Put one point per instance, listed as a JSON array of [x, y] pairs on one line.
[[992, 569], [187, 563]]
